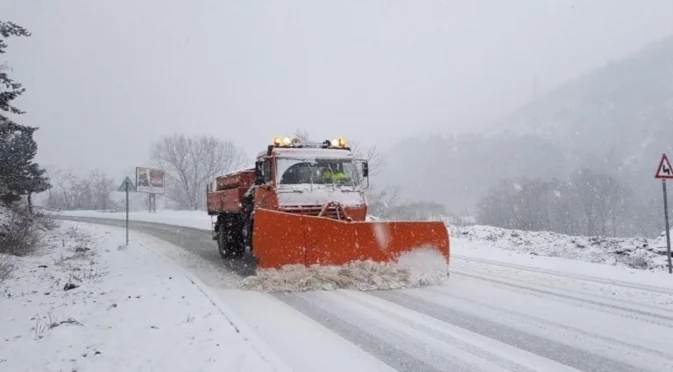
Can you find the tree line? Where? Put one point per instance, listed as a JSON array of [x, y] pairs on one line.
[[589, 203], [189, 163]]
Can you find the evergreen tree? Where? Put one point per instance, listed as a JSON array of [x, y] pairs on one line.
[[19, 175], [10, 89]]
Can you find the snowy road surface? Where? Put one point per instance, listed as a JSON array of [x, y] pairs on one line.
[[490, 316]]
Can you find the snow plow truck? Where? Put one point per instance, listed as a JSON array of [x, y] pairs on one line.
[[304, 203]]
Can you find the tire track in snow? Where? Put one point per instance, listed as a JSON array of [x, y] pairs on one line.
[[545, 326], [494, 354], [541, 346], [585, 278], [623, 311], [378, 341], [577, 290]]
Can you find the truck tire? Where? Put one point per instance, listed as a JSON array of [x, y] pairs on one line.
[[229, 240]]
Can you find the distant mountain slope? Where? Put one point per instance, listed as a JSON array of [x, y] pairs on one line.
[[622, 112], [618, 120]]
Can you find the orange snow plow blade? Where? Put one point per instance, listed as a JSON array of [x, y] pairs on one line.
[[281, 238]]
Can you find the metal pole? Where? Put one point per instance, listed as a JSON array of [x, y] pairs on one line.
[[127, 213], [668, 228]]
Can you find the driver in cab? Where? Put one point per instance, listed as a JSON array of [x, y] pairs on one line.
[[329, 176]]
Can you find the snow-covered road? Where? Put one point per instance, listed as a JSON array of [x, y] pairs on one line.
[[489, 316]]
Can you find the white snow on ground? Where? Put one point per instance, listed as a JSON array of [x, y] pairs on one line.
[[194, 219], [85, 303], [414, 269], [638, 253], [486, 241]]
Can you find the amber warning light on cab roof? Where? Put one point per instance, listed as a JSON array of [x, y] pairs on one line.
[[297, 142]]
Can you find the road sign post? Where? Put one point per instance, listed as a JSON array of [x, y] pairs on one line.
[[665, 172], [668, 228], [127, 186], [127, 213]]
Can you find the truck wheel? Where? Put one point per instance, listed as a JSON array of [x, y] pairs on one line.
[[223, 243], [238, 250], [229, 238]]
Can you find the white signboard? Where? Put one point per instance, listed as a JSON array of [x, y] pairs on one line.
[[150, 180]]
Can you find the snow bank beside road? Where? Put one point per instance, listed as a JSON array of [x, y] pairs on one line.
[[637, 253], [83, 303]]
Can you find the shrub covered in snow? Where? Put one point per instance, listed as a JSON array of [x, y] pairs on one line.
[[18, 235], [21, 230]]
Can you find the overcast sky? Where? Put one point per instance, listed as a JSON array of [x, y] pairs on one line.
[[104, 78]]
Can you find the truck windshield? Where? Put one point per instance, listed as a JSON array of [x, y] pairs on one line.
[[296, 171]]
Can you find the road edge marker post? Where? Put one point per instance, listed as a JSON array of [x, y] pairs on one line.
[[665, 172]]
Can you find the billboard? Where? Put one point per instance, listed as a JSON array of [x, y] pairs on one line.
[[150, 180]]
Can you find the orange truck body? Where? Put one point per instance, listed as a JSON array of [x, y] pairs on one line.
[[282, 211]]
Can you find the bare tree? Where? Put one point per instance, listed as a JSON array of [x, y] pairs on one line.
[[382, 201], [418, 210], [592, 204], [70, 192], [191, 162], [101, 188], [302, 134], [603, 199], [369, 153]]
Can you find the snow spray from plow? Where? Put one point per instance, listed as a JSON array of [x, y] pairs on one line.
[[420, 267]]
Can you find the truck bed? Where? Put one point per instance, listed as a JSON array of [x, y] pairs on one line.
[[229, 192]]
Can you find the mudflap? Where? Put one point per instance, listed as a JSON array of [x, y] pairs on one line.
[[281, 239]]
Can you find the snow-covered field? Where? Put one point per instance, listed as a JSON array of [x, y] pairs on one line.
[[86, 302], [482, 241]]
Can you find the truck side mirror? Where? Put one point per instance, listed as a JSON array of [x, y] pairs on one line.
[[259, 175], [365, 169]]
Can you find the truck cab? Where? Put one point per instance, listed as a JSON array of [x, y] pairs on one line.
[[304, 203], [291, 176], [311, 179]]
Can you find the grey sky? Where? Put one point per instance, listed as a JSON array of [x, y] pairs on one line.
[[104, 78]]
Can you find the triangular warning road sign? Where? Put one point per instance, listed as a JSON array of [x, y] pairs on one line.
[[664, 171], [127, 181]]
